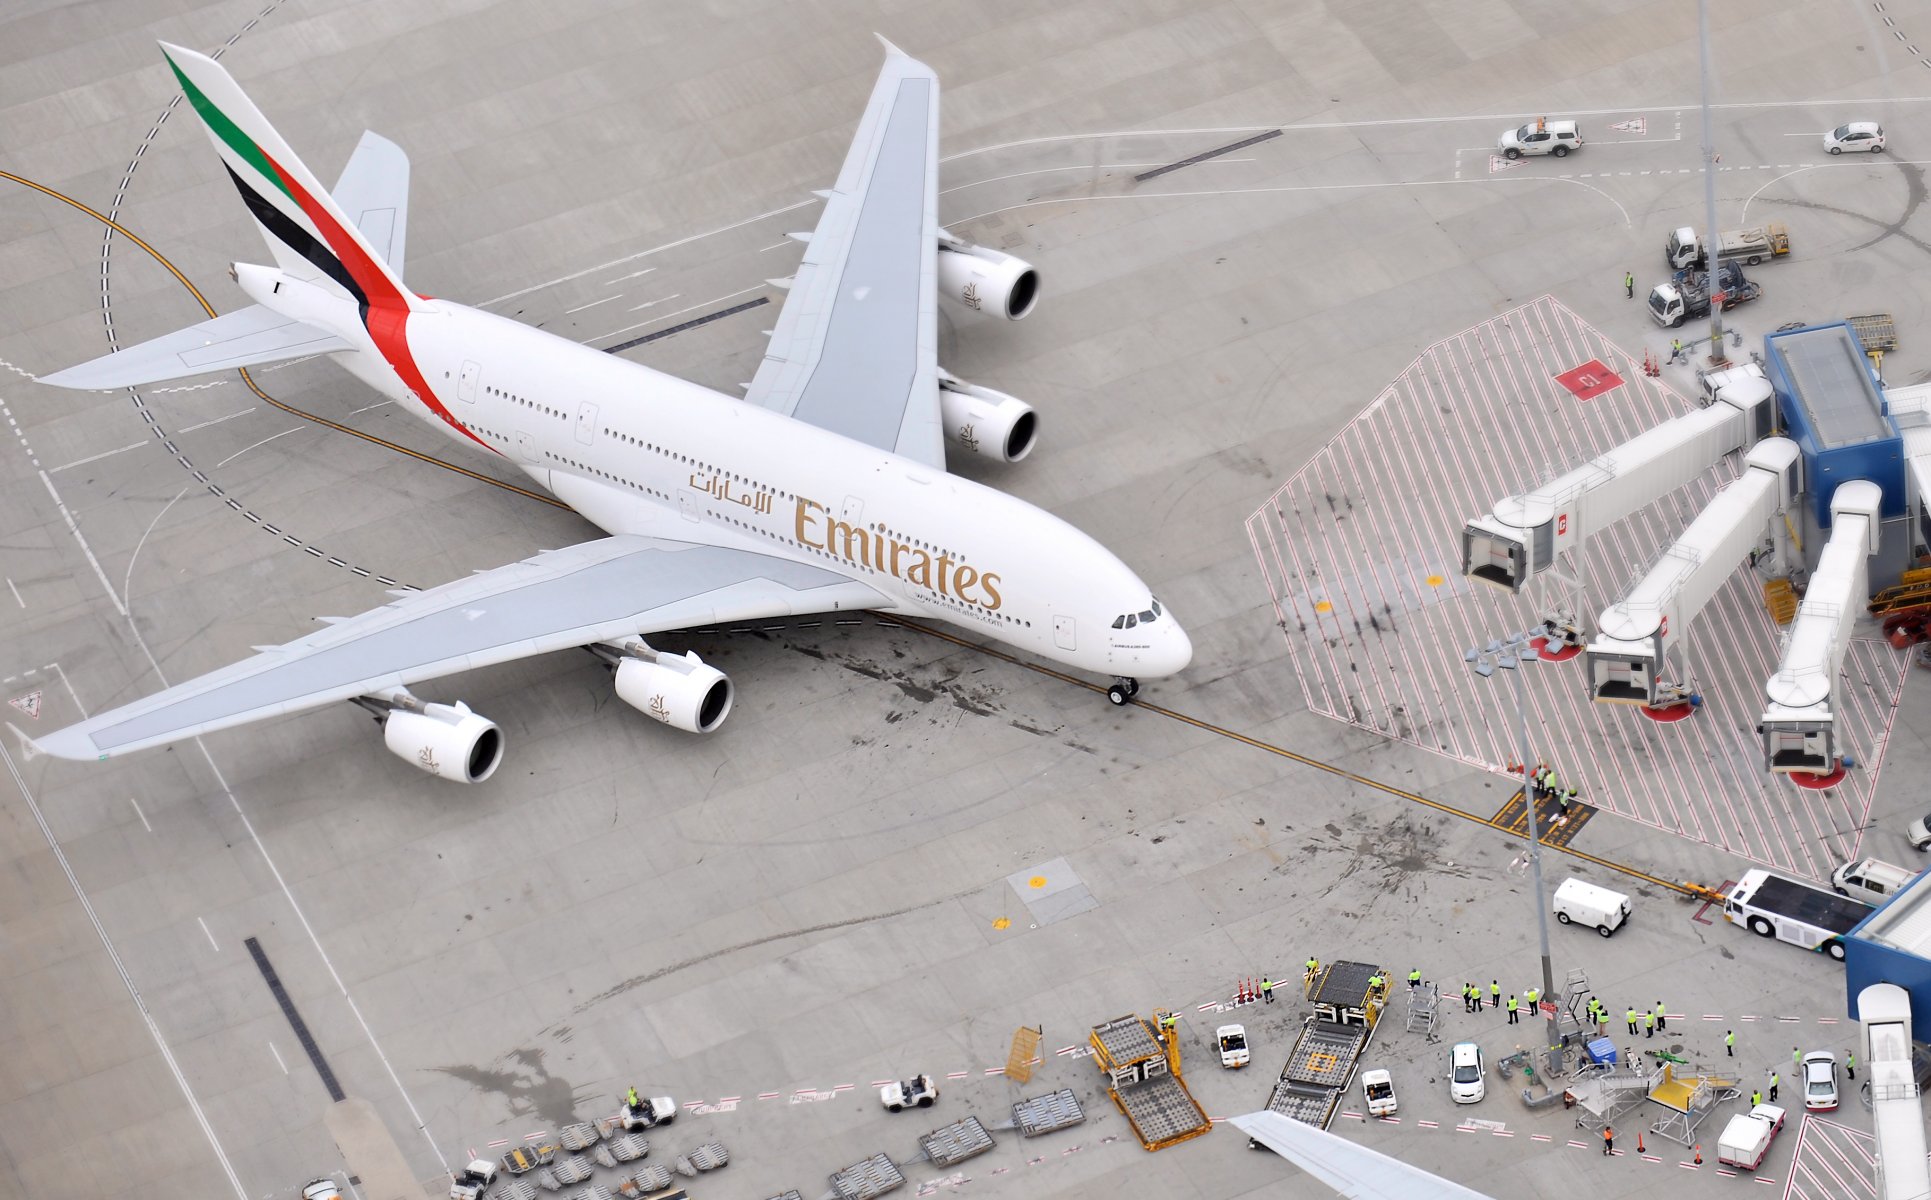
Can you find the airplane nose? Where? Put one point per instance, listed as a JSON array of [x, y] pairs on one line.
[[1173, 652]]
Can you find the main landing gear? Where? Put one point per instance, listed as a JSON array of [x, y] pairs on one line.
[[1123, 689]]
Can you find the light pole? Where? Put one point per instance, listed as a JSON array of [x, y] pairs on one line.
[[1710, 242], [1508, 655]]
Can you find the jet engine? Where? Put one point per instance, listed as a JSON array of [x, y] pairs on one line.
[[986, 422], [448, 741], [986, 280], [677, 689]]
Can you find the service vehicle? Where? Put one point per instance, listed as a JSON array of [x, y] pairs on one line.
[[651, 1112], [1919, 831], [919, 1090], [1467, 1078], [1746, 1139], [1750, 246], [1540, 136], [1857, 136], [474, 1180], [1579, 902], [1233, 1045], [1688, 295], [1712, 382], [1378, 1089], [1820, 1080], [1772, 905], [1870, 880], [321, 1189]]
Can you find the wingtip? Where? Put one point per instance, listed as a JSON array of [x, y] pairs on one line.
[[887, 43]]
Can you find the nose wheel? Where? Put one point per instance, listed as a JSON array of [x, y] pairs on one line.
[[1123, 689]]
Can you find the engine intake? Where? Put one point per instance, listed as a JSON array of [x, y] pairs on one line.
[[677, 689], [448, 741], [986, 422], [986, 280]]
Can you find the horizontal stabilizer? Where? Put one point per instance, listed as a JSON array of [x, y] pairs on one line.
[[246, 337]]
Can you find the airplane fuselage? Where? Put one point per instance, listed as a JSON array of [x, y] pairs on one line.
[[636, 451]]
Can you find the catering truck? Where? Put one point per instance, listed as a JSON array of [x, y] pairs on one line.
[[1746, 1139], [1765, 243], [1771, 905]]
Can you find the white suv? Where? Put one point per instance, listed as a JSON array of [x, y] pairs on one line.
[[1540, 136]]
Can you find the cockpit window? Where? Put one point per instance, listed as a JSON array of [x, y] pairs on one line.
[[1146, 618], [1157, 610], [1131, 621], [1119, 622]]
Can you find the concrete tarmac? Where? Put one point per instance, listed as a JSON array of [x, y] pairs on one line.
[[837, 888]]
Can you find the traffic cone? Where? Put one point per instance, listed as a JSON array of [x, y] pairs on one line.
[[1699, 1154], [1639, 1142]]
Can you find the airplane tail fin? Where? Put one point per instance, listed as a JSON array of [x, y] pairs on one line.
[[307, 229]]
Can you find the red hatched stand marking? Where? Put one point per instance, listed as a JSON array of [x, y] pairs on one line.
[[1427, 1124], [1590, 380], [538, 1136], [775, 1095], [1538, 1137], [498, 1142], [995, 1070], [957, 1074]]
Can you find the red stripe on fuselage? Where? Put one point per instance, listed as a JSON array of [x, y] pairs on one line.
[[387, 318]]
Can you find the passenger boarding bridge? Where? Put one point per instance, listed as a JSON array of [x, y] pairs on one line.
[[1639, 656], [1525, 535]]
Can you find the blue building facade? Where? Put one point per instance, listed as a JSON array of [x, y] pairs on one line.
[[1891, 946], [1835, 411]]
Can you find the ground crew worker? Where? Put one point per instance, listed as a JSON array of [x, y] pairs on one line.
[[1796, 1060], [1676, 349], [1775, 1079], [1267, 989], [1629, 286], [1729, 1043], [1532, 995], [1515, 1018], [1376, 982], [1756, 1098], [1313, 966], [633, 1101], [1850, 1064], [1662, 1018], [1562, 802], [1414, 977], [1632, 1018], [1494, 994], [1170, 1022], [1471, 997], [1573, 794], [1608, 1140], [1649, 1024]]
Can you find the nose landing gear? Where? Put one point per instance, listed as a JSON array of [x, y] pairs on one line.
[[1122, 690]]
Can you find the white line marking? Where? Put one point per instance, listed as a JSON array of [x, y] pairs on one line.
[[84, 547], [680, 312], [607, 299], [64, 682], [632, 275], [278, 1057], [218, 420], [655, 303], [140, 814], [211, 936], [371, 407], [16, 592], [154, 1031], [81, 462], [127, 584]]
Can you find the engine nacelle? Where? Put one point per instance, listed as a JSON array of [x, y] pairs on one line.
[[448, 741], [986, 422], [987, 280], [678, 690]]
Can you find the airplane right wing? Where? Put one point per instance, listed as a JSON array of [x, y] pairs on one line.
[[1355, 1172], [601, 591]]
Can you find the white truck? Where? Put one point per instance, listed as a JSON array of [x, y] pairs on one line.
[[1689, 294], [1751, 246], [1746, 1139]]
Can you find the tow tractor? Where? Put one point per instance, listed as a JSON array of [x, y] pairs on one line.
[[919, 1090], [1233, 1045], [648, 1113], [474, 1180]]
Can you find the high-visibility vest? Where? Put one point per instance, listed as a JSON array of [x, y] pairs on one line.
[[1414, 977], [1632, 1016], [1511, 1003]]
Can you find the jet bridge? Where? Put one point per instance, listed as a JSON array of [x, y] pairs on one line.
[[1630, 659], [1798, 728], [1525, 535]]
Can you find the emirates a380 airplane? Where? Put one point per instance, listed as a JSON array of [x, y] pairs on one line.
[[824, 489]]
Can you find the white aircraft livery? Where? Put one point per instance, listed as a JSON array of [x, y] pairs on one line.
[[824, 489]]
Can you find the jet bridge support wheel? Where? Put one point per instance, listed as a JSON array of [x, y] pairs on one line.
[[1122, 690]]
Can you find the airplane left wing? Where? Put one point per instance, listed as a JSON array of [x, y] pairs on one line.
[[855, 349], [1353, 1171], [606, 590]]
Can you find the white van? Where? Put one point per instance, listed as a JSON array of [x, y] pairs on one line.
[[1870, 880], [1581, 903]]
